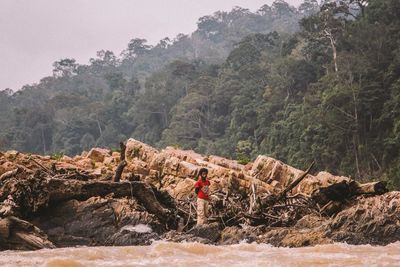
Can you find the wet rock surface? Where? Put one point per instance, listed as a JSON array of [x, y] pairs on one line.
[[99, 221], [72, 201], [210, 231], [236, 234], [373, 220]]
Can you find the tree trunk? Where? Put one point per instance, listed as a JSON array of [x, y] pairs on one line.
[[43, 141], [356, 136], [328, 34], [21, 235], [121, 164], [63, 190]]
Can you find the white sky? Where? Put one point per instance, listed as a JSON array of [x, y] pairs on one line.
[[35, 33]]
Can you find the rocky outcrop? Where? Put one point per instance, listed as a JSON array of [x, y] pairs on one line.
[[98, 154], [22, 235], [100, 221], [69, 201], [206, 234], [374, 220]]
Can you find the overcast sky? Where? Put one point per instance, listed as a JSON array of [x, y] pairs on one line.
[[35, 33]]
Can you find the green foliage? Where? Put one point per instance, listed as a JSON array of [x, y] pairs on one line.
[[57, 155], [115, 149], [242, 84], [243, 151], [392, 176]]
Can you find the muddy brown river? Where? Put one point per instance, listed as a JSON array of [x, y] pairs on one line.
[[193, 254]]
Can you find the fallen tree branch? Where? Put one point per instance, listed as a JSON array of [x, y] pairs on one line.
[[46, 170], [296, 182], [121, 164]]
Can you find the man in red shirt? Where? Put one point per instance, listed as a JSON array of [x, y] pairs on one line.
[[202, 191]]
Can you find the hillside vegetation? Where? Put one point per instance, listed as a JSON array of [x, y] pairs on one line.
[[299, 84]]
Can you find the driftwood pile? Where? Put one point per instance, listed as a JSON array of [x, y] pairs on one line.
[[282, 209], [141, 185]]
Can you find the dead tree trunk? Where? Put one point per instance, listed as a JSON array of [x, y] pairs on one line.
[[372, 188], [296, 182], [21, 235], [332, 40], [63, 190], [121, 164]]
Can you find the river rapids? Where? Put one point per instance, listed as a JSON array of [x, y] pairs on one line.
[[162, 253]]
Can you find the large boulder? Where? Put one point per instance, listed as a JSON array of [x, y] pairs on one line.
[[186, 155], [137, 167], [187, 169], [237, 234], [85, 163], [280, 175], [373, 220], [137, 149], [227, 163], [210, 231], [183, 190], [98, 154], [274, 171], [98, 221]]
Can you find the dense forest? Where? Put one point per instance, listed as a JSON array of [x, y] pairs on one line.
[[318, 82]]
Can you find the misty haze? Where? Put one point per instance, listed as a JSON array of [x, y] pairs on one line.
[[34, 34]]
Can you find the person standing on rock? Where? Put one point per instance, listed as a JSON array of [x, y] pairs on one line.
[[202, 191]]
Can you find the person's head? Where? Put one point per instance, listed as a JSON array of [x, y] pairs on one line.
[[203, 173]]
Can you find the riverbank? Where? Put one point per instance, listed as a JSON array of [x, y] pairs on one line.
[[104, 198]]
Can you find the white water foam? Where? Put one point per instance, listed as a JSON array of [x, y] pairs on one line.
[[162, 253], [138, 228]]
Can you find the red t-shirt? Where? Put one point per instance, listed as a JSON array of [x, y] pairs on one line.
[[204, 187]]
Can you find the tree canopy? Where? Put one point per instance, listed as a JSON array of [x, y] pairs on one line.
[[300, 84]]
